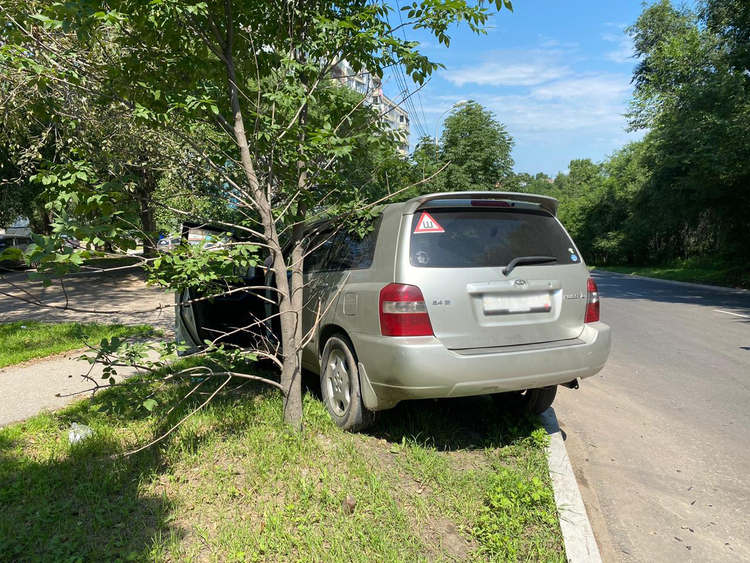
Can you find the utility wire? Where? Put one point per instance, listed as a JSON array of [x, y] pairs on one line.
[[402, 82], [419, 95]]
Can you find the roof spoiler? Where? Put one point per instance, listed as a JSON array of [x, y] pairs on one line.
[[545, 202]]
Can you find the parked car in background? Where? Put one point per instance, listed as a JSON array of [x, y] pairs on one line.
[[450, 295], [19, 242], [168, 244], [71, 242]]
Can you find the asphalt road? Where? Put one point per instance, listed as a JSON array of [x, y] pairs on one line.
[[660, 440]]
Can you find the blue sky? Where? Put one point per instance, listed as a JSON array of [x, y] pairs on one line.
[[557, 74]]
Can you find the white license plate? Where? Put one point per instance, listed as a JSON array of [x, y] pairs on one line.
[[506, 305]]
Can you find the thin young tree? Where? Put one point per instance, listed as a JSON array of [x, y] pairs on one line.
[[261, 73]]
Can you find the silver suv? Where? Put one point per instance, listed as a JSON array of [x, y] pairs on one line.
[[450, 295]]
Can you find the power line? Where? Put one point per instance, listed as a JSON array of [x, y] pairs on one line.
[[419, 95], [401, 80]]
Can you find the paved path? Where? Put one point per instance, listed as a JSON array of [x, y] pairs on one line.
[[31, 387], [115, 297], [27, 389], [660, 442]]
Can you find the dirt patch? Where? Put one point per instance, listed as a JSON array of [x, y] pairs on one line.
[[443, 536], [469, 460]]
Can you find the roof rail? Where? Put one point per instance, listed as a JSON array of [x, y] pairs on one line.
[[545, 202]]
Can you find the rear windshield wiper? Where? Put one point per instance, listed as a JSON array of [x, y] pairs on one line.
[[528, 260]]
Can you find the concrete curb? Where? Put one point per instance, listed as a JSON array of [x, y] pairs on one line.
[[580, 544], [736, 290]]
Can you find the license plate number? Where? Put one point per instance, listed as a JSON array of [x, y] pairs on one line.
[[508, 305]]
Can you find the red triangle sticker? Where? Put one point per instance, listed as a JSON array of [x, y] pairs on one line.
[[427, 224]]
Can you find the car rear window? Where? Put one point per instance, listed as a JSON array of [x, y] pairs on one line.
[[480, 238]]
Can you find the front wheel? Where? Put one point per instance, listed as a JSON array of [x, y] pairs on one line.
[[533, 401], [339, 385]]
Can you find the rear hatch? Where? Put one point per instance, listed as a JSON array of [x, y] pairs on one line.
[[456, 254]]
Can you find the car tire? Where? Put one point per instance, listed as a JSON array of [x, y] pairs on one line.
[[533, 401], [339, 385]]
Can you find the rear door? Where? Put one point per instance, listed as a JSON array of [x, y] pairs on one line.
[[456, 255], [315, 288], [335, 256]]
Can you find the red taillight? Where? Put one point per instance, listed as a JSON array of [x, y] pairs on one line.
[[592, 302], [403, 311]]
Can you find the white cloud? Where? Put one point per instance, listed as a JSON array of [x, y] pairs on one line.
[[548, 43], [600, 87], [623, 52], [511, 68], [565, 119], [588, 106], [553, 109], [536, 92]]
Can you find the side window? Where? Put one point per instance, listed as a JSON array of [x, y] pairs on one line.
[[317, 251], [349, 252]]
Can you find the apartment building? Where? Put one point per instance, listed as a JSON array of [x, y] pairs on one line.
[[371, 87]]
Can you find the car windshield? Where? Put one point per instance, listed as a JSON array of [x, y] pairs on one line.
[[479, 238]]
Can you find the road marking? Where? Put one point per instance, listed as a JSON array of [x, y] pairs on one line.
[[636, 294], [730, 313]]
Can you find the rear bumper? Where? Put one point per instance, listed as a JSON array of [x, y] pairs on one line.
[[422, 368]]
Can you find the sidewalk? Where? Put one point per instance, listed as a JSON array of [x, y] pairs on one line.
[[31, 387]]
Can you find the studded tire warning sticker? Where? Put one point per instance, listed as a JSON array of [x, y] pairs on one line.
[[427, 224]]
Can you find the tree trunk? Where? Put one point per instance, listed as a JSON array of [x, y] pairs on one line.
[[293, 405], [148, 222], [44, 225], [292, 383], [289, 317], [291, 376]]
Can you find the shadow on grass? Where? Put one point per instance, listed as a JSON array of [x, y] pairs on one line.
[[447, 424], [79, 509], [455, 424], [81, 502]]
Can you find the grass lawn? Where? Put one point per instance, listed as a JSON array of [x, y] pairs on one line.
[[26, 340], [686, 272], [443, 481]]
